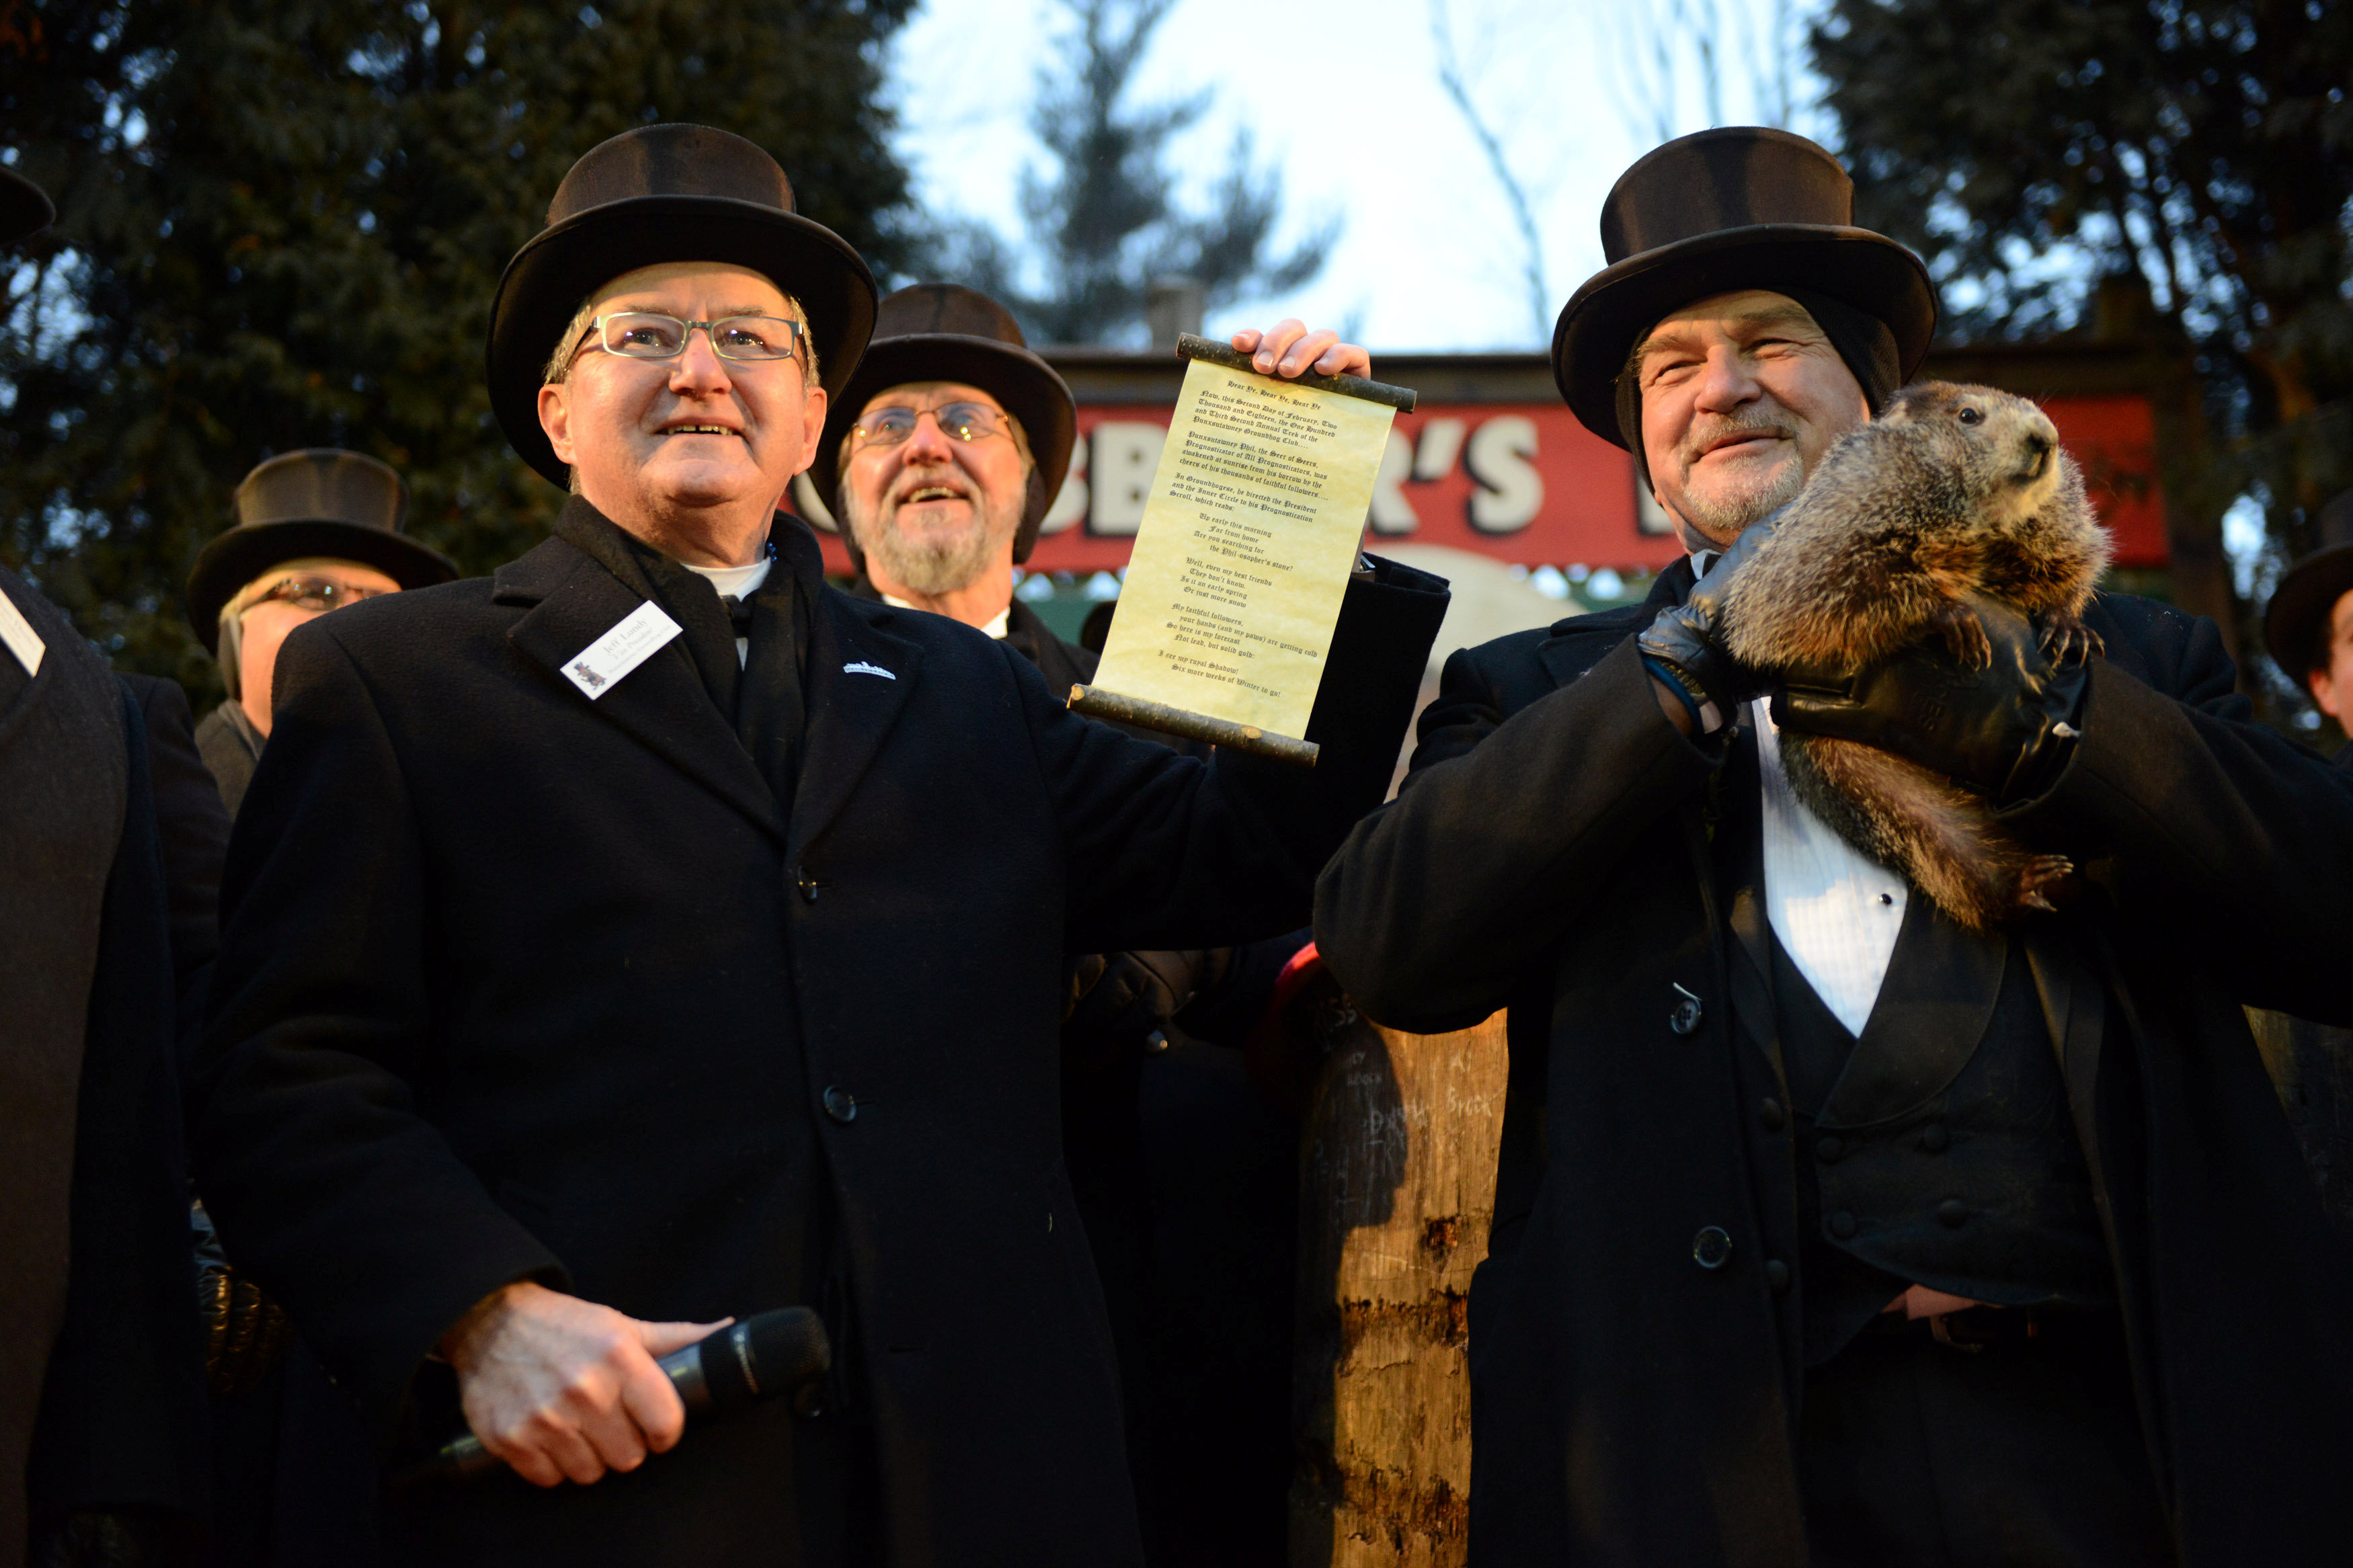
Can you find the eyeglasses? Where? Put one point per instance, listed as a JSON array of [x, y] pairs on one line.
[[649, 334], [317, 594], [957, 421]]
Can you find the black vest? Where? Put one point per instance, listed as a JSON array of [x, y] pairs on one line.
[[1937, 1149]]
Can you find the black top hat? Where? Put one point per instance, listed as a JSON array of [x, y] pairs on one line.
[[2295, 626], [940, 331], [1738, 207], [25, 207], [666, 193], [319, 501]]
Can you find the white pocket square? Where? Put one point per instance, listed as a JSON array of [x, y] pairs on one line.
[[860, 667]]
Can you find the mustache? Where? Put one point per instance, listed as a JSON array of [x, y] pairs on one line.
[[947, 477], [1709, 429]]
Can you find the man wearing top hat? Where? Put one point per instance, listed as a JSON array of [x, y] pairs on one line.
[[939, 461], [315, 530], [1825, 1231], [2308, 625], [102, 1413], [650, 934]]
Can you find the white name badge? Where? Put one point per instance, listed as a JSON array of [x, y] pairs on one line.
[[597, 668], [18, 633]]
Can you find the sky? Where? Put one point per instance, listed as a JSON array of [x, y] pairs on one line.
[[1344, 96]]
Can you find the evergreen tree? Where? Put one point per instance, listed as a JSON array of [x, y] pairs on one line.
[[280, 226], [1106, 224], [2175, 170]]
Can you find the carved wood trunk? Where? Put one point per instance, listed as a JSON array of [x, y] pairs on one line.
[[1396, 1188]]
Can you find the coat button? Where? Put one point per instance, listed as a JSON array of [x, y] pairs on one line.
[[1712, 1247], [1843, 1225], [807, 885], [1771, 1114], [1777, 1275], [1827, 1150], [1954, 1213], [1934, 1138], [840, 1104], [1686, 1015]]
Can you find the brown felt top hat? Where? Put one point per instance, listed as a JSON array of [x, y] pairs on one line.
[[25, 208], [666, 193], [942, 332], [1738, 208], [319, 502], [2296, 624]]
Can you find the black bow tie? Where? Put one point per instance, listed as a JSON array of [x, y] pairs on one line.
[[739, 613]]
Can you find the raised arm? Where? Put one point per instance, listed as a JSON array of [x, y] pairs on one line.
[[1488, 857], [1165, 851]]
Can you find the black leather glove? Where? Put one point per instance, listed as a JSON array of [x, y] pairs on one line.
[[245, 1332], [1686, 643], [2005, 730], [1122, 998]]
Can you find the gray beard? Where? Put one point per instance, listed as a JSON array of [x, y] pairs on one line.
[[1727, 515], [933, 565]]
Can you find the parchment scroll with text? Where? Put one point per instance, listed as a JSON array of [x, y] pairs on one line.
[[1243, 556]]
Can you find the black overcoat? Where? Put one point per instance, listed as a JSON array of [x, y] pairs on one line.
[[1552, 851], [504, 972], [100, 1398]]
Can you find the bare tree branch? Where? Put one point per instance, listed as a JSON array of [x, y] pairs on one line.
[[1451, 78]]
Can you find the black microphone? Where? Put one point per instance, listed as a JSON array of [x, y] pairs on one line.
[[768, 1357]]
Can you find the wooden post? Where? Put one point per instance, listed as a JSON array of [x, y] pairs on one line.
[[1397, 1189]]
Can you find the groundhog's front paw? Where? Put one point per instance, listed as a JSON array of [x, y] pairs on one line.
[[1963, 636], [2039, 879], [2066, 639]]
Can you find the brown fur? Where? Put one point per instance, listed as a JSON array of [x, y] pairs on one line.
[[1954, 490]]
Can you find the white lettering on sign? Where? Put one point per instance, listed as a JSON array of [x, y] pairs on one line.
[[812, 506], [1071, 500], [18, 634], [1392, 514], [1510, 491], [1126, 453], [634, 638], [1441, 443], [1650, 517]]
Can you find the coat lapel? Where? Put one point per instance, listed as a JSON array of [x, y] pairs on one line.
[[860, 674], [1932, 1009], [662, 704], [1740, 853], [2075, 1008]]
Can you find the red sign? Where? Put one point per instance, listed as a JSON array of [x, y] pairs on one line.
[[1525, 483]]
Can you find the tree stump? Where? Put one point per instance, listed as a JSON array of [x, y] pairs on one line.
[[1396, 1190]]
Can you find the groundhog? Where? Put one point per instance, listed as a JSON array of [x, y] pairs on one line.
[[1953, 491]]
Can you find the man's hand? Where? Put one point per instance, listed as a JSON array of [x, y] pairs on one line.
[[1291, 349], [1686, 645], [2005, 729], [1121, 999], [563, 1389]]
